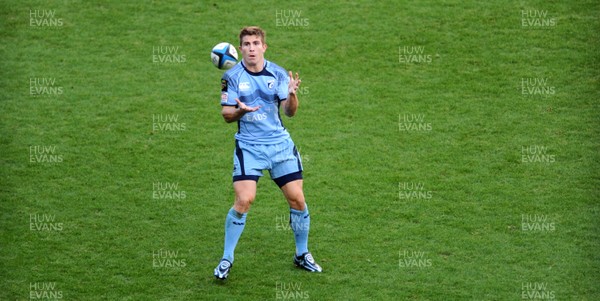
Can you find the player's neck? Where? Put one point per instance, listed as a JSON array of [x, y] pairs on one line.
[[256, 68]]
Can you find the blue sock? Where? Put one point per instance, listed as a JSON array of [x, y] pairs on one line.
[[300, 224], [234, 225]]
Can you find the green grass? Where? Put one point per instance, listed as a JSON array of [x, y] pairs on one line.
[[347, 129]]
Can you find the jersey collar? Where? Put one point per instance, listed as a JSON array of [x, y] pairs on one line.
[[262, 72]]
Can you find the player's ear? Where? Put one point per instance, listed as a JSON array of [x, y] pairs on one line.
[[264, 46]]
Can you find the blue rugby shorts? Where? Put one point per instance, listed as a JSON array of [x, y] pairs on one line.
[[282, 160]]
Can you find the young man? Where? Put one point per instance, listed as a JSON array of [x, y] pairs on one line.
[[252, 93]]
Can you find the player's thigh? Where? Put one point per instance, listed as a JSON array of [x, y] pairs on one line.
[[245, 190], [294, 194]]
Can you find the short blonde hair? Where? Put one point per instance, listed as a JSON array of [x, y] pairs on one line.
[[253, 31]]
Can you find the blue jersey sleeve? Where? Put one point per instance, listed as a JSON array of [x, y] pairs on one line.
[[283, 81], [228, 91]]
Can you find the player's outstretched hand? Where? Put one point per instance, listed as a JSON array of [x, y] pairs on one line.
[[294, 83], [246, 108]]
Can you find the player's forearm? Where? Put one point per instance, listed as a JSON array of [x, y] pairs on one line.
[[231, 114], [291, 105]]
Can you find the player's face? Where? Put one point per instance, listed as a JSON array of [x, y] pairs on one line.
[[253, 50]]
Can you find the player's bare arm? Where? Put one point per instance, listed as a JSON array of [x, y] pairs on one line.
[[291, 104], [231, 113]]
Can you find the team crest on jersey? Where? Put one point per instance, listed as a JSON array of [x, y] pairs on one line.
[[223, 97], [271, 84], [244, 86], [224, 85]]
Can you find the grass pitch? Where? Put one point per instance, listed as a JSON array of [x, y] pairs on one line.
[[450, 151]]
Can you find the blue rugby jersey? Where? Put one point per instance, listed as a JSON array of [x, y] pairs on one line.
[[266, 89]]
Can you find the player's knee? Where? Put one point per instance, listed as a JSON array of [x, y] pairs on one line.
[[247, 200], [297, 195], [243, 201], [297, 202]]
